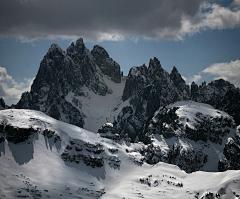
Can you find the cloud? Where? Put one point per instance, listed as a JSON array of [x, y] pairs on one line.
[[96, 20], [229, 71], [194, 78], [211, 16], [10, 90]]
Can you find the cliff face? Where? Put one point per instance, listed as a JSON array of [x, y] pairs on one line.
[[107, 65]]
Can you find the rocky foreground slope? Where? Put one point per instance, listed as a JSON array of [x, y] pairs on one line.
[[45, 158]]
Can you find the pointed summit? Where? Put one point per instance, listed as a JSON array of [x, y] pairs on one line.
[[176, 77], [2, 104], [77, 51], [107, 65], [155, 67], [54, 52], [180, 83]]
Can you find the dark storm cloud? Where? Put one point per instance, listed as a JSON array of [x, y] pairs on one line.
[[98, 19]]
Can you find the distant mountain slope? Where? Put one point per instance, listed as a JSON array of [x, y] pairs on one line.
[[45, 158]]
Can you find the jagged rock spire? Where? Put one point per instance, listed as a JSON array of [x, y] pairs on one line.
[[180, 83], [2, 104], [106, 64]]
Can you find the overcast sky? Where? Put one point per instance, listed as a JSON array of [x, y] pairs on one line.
[[201, 38]]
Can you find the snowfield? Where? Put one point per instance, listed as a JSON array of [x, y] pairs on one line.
[[97, 109], [59, 160]]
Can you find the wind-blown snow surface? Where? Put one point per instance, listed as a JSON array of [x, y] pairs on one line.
[[35, 169]]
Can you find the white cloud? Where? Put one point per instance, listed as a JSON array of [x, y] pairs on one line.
[[10, 90], [229, 71], [210, 16], [194, 78]]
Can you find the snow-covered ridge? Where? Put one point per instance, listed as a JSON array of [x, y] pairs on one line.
[[45, 167], [191, 135]]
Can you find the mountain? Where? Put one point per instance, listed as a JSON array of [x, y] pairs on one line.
[[148, 88], [45, 158], [66, 78], [87, 89], [146, 135]]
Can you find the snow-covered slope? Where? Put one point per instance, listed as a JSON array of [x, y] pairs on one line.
[[45, 158], [98, 109], [189, 134]]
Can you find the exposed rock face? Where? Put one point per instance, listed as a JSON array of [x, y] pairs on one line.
[[15, 134], [231, 154], [90, 154], [220, 94], [107, 131], [61, 73], [189, 160], [2, 104], [148, 89], [180, 83], [106, 64]]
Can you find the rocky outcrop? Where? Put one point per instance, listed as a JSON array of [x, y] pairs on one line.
[[106, 64], [220, 94], [90, 154], [180, 83], [107, 131], [2, 104], [15, 134], [231, 154], [189, 160]]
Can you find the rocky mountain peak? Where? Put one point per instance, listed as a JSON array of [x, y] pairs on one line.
[[55, 47], [2, 104], [221, 83], [137, 80], [55, 53], [99, 52], [77, 52], [62, 74], [79, 42], [107, 65], [154, 67], [180, 83], [176, 77]]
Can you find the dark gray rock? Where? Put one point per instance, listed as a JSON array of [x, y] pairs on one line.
[[2, 104], [220, 94], [106, 64]]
